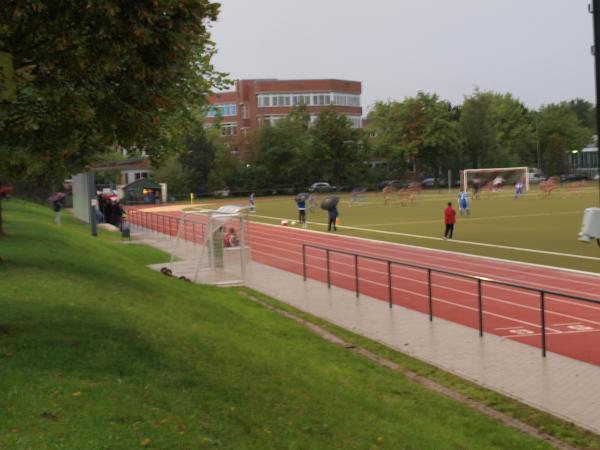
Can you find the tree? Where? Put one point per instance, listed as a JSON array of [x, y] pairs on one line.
[[93, 75], [477, 128], [560, 132], [420, 133], [585, 111], [284, 148], [198, 156], [336, 148]]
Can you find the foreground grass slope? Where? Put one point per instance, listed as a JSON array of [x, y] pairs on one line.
[[97, 351]]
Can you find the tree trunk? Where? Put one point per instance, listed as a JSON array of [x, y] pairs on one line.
[[1, 219]]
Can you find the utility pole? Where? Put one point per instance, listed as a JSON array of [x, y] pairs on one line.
[[594, 8]]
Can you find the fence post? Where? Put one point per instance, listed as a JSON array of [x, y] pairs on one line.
[[328, 274], [480, 306], [304, 261], [543, 312], [429, 294], [356, 275], [389, 266]]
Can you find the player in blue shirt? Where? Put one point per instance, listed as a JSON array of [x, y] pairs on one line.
[[518, 189], [463, 203]]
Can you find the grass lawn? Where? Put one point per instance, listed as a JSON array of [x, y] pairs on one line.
[[533, 223], [98, 352]]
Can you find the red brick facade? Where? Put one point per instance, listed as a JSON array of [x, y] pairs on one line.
[[256, 101]]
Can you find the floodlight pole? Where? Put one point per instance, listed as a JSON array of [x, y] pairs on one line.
[[595, 10]]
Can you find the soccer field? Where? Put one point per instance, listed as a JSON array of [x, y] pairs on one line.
[[531, 229]]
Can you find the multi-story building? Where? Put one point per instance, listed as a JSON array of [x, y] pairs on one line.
[[255, 102]]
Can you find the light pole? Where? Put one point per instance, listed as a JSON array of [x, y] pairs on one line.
[[595, 10]]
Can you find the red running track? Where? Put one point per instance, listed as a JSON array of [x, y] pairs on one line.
[[572, 327]]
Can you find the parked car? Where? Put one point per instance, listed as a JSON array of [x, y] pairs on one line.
[[434, 182], [322, 186], [572, 177], [395, 184], [536, 177]]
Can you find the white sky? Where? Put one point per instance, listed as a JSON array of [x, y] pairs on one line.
[[539, 50]]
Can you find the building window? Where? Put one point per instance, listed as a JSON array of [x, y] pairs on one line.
[[309, 99], [228, 129], [224, 110], [244, 108]]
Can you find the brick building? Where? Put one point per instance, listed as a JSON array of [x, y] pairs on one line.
[[254, 102]]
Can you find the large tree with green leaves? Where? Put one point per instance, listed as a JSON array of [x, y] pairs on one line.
[[285, 147], [560, 132], [337, 151], [93, 75], [419, 133]]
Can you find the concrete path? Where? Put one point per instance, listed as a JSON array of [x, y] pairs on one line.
[[562, 386]]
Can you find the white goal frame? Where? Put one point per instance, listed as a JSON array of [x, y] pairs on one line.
[[467, 174]]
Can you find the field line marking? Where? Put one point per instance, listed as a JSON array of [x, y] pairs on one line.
[[432, 238], [471, 218]]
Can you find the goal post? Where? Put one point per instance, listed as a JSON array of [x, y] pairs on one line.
[[489, 177]]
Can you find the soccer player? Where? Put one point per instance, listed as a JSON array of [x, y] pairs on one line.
[[463, 203], [301, 203], [518, 189]]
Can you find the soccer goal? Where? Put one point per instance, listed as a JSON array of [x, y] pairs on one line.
[[494, 178], [210, 246]]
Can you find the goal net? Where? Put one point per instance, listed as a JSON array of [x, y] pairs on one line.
[[494, 178], [210, 246]]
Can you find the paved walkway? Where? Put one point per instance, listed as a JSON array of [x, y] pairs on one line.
[[562, 386]]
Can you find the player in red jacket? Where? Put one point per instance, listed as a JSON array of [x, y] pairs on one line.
[[449, 220]]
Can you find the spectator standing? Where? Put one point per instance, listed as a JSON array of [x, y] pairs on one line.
[[449, 220], [251, 201], [333, 215], [57, 207]]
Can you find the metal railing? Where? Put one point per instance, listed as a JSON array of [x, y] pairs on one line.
[[164, 224], [479, 280]]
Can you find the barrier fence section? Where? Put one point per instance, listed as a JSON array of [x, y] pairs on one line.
[[382, 270], [194, 230]]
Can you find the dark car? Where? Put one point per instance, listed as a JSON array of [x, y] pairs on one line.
[[394, 184], [434, 182], [322, 186], [572, 177]]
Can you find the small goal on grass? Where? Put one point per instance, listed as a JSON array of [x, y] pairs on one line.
[[494, 177], [210, 246]]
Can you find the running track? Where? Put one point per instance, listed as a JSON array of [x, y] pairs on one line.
[[572, 327]]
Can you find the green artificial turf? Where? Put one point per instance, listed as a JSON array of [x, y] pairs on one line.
[[99, 352], [532, 222]]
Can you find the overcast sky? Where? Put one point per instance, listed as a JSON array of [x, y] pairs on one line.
[[539, 50]]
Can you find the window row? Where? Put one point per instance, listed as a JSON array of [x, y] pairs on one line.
[[223, 110], [356, 121], [309, 99]]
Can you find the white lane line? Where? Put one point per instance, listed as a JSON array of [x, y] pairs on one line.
[[563, 333], [437, 299], [507, 328], [459, 291], [436, 254], [471, 218], [565, 324], [432, 256]]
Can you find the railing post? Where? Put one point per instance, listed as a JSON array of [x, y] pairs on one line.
[[389, 267], [480, 306], [304, 261], [356, 275], [328, 274], [429, 295], [543, 319]]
